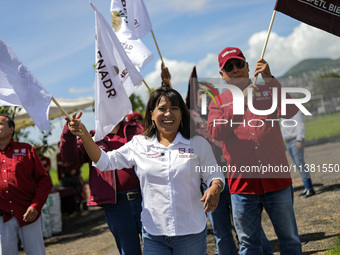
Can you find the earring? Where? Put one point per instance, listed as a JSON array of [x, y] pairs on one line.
[[153, 124]]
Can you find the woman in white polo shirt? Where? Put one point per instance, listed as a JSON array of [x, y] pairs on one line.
[[169, 164]]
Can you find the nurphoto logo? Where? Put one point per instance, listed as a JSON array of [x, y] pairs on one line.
[[239, 102]]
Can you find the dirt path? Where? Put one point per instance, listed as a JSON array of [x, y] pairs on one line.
[[318, 217]]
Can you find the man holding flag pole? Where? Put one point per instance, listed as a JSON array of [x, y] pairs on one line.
[[249, 146]]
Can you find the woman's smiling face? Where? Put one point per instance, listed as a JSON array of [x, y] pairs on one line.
[[167, 117]]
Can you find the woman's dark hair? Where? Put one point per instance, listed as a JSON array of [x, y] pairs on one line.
[[9, 121], [176, 100]]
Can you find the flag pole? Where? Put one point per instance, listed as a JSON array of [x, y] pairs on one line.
[[154, 38], [159, 52], [147, 86], [267, 39], [61, 108]]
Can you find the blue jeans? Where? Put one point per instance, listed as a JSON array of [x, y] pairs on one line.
[[297, 156], [194, 244], [123, 219], [221, 224], [247, 211]]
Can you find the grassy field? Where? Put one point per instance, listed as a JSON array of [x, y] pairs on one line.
[[336, 249], [84, 173], [322, 126]]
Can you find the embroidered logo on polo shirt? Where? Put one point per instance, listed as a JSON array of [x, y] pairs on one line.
[[22, 152], [262, 96], [183, 154], [181, 150], [153, 155]]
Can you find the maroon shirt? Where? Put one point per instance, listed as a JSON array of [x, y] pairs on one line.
[[46, 162], [103, 185], [249, 146], [23, 181]]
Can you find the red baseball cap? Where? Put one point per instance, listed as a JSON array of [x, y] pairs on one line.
[[133, 117], [229, 53]]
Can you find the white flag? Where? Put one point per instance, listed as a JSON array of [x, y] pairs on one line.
[[19, 87], [135, 14], [130, 22], [116, 79]]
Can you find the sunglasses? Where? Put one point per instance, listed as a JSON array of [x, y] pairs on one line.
[[228, 67]]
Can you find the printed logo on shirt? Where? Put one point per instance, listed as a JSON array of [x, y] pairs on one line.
[[153, 155], [183, 154]]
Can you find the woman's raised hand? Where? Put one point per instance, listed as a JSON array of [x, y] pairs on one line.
[[75, 125]]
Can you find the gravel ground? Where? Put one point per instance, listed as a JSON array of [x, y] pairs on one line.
[[318, 217]]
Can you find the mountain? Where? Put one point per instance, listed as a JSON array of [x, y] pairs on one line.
[[313, 67]]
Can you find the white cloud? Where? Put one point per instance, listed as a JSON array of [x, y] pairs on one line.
[[284, 52], [180, 5], [180, 73], [208, 67], [73, 90]]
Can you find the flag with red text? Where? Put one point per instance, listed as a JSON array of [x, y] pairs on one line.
[[323, 14]]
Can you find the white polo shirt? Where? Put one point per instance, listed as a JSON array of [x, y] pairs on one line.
[[169, 180]]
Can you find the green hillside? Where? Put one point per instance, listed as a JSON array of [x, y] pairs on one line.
[[320, 65]]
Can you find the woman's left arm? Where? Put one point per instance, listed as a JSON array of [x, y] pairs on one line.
[[211, 196], [213, 179]]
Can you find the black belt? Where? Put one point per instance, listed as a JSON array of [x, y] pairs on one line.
[[130, 195], [291, 139], [1, 213]]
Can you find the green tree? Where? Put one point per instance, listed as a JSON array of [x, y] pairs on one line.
[[23, 134], [137, 104]]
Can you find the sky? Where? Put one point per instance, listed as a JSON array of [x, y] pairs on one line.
[[55, 40]]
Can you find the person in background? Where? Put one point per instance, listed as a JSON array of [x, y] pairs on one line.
[[220, 219], [166, 159], [165, 76], [246, 146], [118, 192], [24, 188], [294, 137], [44, 160], [70, 176], [134, 117]]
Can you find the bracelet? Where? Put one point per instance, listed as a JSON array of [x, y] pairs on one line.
[[219, 185]]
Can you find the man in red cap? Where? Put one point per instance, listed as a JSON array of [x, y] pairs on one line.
[[252, 143]]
